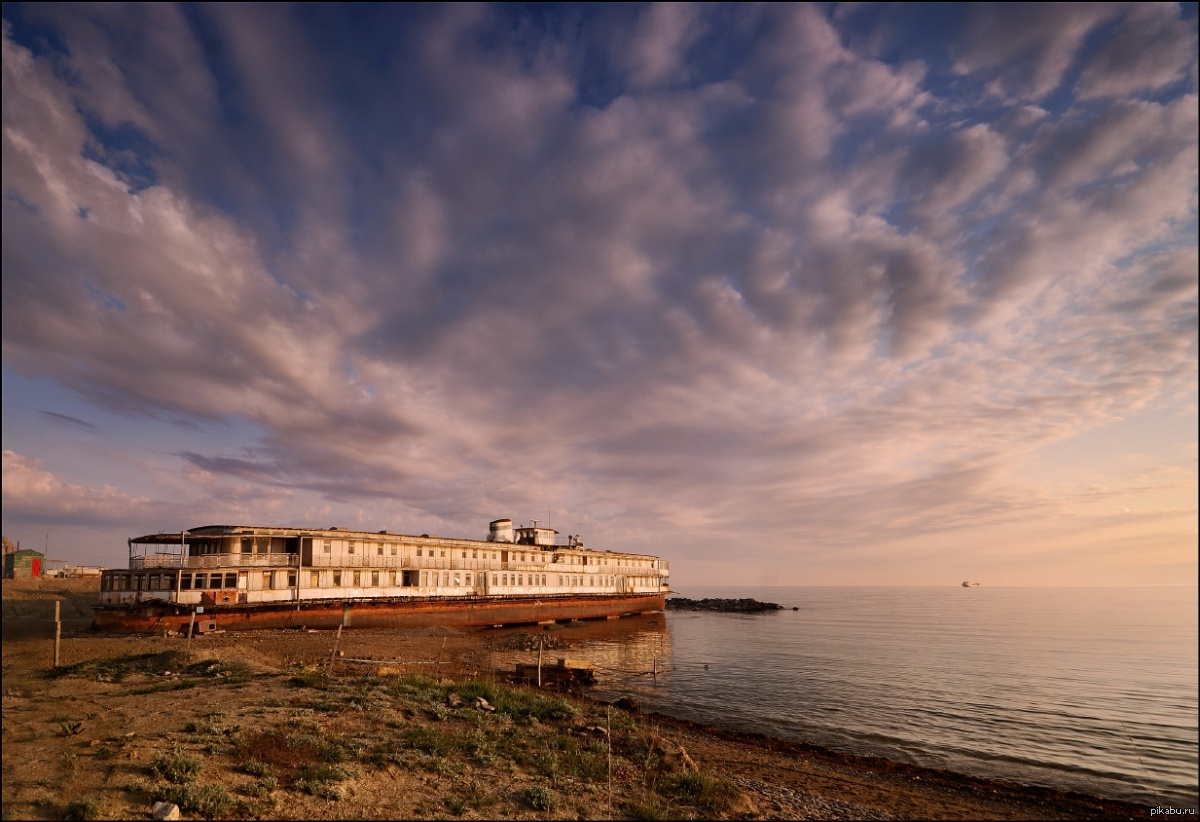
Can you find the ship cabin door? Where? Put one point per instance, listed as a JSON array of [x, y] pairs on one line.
[[504, 560]]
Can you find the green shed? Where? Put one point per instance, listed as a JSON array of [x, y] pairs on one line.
[[23, 564]]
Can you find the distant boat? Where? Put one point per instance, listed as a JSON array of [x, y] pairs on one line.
[[970, 584]]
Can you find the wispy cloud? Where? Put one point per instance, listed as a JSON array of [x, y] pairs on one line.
[[692, 274]]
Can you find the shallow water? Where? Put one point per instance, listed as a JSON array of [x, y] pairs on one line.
[[1085, 689]]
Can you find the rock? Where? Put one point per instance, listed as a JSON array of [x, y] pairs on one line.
[[482, 704], [165, 810], [627, 703], [453, 700], [732, 606]]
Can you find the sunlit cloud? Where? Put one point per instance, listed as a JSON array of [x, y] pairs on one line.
[[806, 281]]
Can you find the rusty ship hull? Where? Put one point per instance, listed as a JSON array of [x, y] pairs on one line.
[[157, 616]]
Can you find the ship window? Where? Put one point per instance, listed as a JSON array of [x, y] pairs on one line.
[[520, 579], [457, 580], [266, 581], [292, 579], [375, 578], [468, 576], [154, 582], [445, 577], [231, 580], [392, 577], [443, 552], [314, 579], [464, 556], [357, 579], [380, 547], [327, 547], [393, 550], [185, 582], [474, 553], [337, 579], [351, 548]]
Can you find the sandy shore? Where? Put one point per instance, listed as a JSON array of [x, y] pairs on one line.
[[91, 739]]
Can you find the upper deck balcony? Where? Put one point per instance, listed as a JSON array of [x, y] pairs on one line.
[[137, 563]]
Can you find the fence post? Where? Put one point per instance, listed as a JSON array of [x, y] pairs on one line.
[[336, 641], [57, 630], [191, 626]]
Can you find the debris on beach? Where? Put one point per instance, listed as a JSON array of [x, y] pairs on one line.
[[529, 641], [566, 673]]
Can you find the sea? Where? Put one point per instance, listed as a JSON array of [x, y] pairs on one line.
[[1092, 690]]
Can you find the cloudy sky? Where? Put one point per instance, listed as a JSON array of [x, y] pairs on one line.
[[788, 294]]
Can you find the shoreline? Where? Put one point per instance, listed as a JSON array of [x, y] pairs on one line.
[[772, 778]]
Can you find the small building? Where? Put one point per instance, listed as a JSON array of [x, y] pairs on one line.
[[23, 564]]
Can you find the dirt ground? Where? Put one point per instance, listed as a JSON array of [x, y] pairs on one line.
[[279, 725]]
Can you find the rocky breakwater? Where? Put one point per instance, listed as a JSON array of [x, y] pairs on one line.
[[729, 606]]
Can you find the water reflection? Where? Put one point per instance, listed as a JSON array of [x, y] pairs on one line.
[[629, 654]]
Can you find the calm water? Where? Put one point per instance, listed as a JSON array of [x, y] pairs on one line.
[[1085, 689]]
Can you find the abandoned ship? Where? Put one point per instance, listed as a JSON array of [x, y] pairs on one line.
[[248, 577]]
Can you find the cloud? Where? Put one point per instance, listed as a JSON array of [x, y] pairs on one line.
[[33, 494], [1152, 47], [1024, 52], [742, 275], [654, 53], [73, 422]]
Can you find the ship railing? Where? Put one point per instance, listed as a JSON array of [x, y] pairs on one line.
[[212, 561], [155, 561], [241, 560]]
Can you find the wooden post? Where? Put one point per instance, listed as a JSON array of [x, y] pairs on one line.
[[191, 625], [655, 670], [57, 630], [437, 668], [336, 641], [539, 661]]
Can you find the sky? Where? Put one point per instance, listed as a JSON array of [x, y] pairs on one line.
[[786, 294]]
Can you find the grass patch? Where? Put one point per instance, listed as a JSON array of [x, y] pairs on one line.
[[254, 767], [211, 725], [82, 809], [116, 669], [432, 741], [306, 677], [536, 798], [320, 781], [701, 789], [209, 801], [176, 767], [298, 759], [647, 806]]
